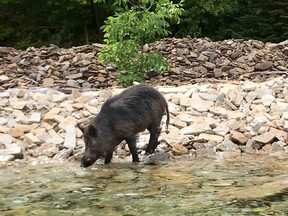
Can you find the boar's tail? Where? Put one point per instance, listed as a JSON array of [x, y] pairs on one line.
[[168, 118]]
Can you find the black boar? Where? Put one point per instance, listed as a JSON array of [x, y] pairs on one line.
[[137, 108]]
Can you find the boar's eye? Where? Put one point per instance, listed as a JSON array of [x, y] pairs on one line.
[[90, 143], [92, 131]]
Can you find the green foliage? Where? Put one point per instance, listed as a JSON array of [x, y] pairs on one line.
[[199, 13], [91, 1], [75, 22], [254, 19], [140, 22], [40, 22]]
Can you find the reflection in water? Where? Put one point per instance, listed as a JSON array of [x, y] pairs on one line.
[[196, 186], [267, 204]]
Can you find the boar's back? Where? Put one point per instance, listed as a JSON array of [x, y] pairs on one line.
[[133, 110]]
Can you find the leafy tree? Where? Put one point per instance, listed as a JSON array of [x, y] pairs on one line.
[[134, 24], [74, 22], [62, 22], [200, 13], [100, 9], [256, 19]]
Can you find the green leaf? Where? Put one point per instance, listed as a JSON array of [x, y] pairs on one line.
[[135, 24]]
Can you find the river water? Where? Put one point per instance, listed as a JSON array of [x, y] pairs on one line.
[[249, 185]]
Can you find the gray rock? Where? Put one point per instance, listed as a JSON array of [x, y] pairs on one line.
[[202, 58], [217, 72], [173, 107], [210, 137], [72, 83], [5, 94], [170, 89], [279, 107], [196, 129], [218, 111], [18, 104], [3, 121], [70, 137], [285, 115], [189, 119], [260, 92], [277, 146], [221, 129], [200, 107], [249, 86], [46, 149], [267, 99], [179, 150], [159, 156], [4, 158], [263, 66], [205, 152], [142, 141], [74, 76], [68, 121], [258, 122], [211, 97], [55, 140], [229, 154], [183, 51], [209, 65], [16, 151], [186, 102], [105, 95], [228, 145], [235, 114], [174, 138], [63, 154], [247, 149], [35, 118], [238, 138], [3, 78], [6, 139], [43, 136], [265, 138]]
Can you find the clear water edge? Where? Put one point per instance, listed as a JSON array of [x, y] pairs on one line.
[[249, 185]]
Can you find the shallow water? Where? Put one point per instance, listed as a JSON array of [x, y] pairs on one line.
[[250, 185]]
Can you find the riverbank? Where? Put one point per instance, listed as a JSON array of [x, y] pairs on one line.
[[226, 98], [192, 60], [224, 119]]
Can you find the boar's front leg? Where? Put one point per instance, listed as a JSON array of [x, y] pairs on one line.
[[108, 157], [132, 147]]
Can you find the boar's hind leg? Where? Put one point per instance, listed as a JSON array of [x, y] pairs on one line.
[[132, 146], [108, 157], [153, 141]]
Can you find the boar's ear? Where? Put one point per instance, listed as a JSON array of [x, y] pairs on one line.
[[92, 130], [81, 127]]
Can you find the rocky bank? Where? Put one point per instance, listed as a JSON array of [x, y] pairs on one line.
[[223, 120], [47, 91], [192, 60]]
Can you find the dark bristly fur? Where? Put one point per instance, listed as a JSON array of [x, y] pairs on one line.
[[122, 117]]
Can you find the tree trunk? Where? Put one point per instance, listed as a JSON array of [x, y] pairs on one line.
[[96, 17]]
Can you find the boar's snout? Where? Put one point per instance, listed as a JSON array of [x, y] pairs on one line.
[[87, 161]]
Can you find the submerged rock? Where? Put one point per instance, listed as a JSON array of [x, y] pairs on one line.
[[157, 158]]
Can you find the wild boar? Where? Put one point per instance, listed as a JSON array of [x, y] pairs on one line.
[[122, 117]]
